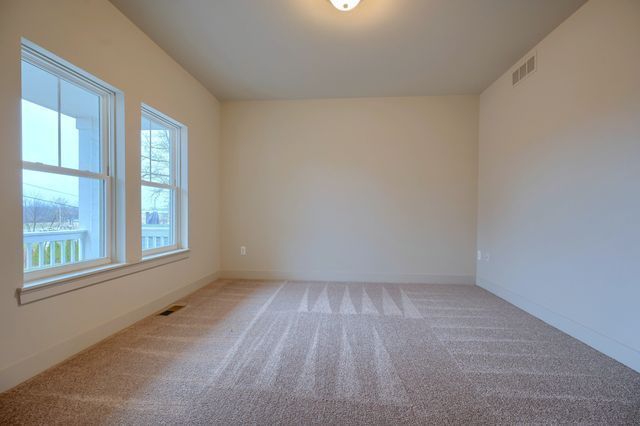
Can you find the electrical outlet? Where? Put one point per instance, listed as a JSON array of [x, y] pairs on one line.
[[243, 251], [479, 255]]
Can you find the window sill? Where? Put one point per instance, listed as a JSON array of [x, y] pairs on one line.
[[49, 287]]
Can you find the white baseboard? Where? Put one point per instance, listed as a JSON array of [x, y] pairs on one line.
[[37, 363], [349, 277], [608, 346]]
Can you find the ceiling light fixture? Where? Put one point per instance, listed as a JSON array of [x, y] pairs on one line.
[[344, 5]]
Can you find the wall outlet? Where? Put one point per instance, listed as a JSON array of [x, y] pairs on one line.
[[243, 251], [479, 257]]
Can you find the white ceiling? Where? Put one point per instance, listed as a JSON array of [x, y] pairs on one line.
[[288, 49]]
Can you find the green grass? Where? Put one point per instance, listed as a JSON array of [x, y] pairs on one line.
[[56, 248]]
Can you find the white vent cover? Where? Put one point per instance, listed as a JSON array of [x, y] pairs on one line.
[[524, 68]]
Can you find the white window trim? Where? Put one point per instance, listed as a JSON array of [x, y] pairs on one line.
[[178, 186], [57, 66], [99, 271]]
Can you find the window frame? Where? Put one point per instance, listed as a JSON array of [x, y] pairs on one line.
[[50, 63], [178, 184]]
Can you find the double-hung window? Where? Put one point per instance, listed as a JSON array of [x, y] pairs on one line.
[[161, 142], [67, 147]]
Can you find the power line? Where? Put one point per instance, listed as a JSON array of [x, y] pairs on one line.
[[49, 189], [49, 202]]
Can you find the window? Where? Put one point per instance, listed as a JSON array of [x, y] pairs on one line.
[[161, 141], [67, 144]]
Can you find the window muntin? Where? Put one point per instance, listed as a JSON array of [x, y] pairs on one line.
[[160, 179], [66, 145]]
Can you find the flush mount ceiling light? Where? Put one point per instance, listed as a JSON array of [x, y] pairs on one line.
[[344, 5]]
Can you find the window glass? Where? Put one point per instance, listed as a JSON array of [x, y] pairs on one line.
[[80, 128], [157, 217], [62, 219], [156, 152], [39, 115]]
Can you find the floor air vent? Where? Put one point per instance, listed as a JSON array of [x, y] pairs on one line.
[[171, 309]]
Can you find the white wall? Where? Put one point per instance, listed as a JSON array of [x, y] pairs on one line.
[[559, 185], [380, 189], [95, 36]]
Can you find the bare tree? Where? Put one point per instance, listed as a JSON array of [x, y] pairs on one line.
[[156, 161], [32, 211], [39, 214], [156, 155]]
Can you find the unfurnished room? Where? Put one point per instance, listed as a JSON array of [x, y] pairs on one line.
[[349, 212]]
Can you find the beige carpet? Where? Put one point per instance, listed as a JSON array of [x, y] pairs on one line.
[[333, 353]]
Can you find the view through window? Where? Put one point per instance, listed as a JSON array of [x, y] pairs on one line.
[[65, 168], [159, 153]]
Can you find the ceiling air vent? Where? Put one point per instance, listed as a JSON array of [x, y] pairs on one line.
[[531, 64], [524, 69]]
